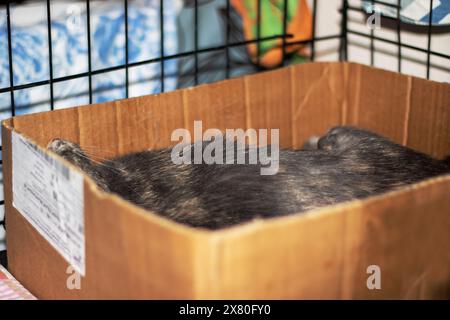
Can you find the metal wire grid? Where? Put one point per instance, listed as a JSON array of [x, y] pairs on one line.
[[342, 37], [429, 27]]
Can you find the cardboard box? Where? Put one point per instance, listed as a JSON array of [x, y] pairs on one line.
[[132, 253]]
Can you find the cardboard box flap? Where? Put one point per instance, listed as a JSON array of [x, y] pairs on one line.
[[411, 111], [429, 119], [380, 101], [319, 99]]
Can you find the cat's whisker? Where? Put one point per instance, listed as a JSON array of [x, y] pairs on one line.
[[97, 149], [92, 155], [80, 154]]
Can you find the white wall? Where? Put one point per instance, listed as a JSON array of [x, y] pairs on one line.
[[385, 56]]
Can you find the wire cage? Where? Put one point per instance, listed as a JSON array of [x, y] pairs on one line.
[[343, 35]]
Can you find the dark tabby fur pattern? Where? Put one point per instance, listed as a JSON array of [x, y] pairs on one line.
[[347, 163]]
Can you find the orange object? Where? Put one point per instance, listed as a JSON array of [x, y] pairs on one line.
[[299, 26]]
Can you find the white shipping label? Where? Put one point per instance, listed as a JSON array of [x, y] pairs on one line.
[[50, 196]]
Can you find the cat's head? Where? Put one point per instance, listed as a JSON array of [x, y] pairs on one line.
[[344, 138]]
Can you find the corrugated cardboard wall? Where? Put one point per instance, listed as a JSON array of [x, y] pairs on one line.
[[300, 100]]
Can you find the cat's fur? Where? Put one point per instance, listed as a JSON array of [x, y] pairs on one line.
[[347, 163]]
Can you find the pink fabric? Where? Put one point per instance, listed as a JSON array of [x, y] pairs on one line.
[[11, 289]]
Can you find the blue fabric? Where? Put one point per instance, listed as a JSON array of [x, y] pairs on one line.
[[70, 54], [439, 13], [211, 33], [414, 11]]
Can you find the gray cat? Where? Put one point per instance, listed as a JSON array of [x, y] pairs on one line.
[[345, 164]]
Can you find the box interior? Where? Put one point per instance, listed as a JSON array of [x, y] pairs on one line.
[[324, 254]]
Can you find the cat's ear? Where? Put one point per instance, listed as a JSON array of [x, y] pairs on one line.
[[64, 147], [328, 142], [54, 144]]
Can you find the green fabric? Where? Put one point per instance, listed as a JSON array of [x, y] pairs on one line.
[[271, 19]]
